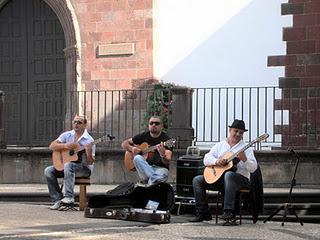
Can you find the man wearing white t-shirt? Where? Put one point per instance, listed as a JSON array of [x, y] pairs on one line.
[[70, 140]]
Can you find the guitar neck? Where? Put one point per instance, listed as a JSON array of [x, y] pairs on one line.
[[94, 142], [241, 150], [149, 149]]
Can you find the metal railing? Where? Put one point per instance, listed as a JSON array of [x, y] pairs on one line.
[[289, 116]]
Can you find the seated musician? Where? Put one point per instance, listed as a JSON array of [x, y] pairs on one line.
[[70, 140], [154, 167], [232, 181]]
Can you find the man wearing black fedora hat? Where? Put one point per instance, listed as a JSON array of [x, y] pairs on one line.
[[231, 181]]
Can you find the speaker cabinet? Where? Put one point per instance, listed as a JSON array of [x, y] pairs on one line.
[[188, 167]]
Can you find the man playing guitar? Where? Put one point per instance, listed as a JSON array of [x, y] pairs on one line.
[[231, 181], [70, 141], [154, 167]]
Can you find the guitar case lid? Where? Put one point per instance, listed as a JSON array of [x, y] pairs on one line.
[[129, 195]]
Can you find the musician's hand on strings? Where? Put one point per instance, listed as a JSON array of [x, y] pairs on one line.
[[72, 145], [221, 162], [242, 156], [135, 150], [161, 149]]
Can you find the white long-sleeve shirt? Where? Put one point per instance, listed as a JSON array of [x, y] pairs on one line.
[[219, 149]]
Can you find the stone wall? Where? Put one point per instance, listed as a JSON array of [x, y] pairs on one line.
[[116, 43], [27, 165]]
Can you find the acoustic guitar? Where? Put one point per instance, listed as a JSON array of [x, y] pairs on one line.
[[213, 173], [60, 158], [145, 151]]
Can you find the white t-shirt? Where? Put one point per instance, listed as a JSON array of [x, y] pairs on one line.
[[69, 136]]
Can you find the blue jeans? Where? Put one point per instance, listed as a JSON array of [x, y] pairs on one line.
[[151, 174], [231, 183], [70, 172]]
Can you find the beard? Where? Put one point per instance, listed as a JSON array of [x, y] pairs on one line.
[[154, 131]]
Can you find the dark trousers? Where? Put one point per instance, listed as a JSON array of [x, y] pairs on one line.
[[231, 182]]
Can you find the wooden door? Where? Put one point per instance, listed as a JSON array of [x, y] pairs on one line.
[[32, 72]]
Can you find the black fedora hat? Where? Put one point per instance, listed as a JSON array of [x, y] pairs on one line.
[[238, 124]]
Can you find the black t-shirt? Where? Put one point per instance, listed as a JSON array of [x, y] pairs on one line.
[[154, 156]]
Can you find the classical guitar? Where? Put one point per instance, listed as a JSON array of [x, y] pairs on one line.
[[145, 150], [60, 158], [212, 173]]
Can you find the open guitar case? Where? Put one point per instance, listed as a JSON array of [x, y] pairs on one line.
[[132, 202]]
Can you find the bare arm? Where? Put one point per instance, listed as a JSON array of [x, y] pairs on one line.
[[128, 145], [58, 146], [90, 157], [165, 154]]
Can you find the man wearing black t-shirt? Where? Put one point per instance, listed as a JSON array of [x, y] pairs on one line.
[[155, 168]]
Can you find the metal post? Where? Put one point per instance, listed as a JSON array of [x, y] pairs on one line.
[[2, 133]]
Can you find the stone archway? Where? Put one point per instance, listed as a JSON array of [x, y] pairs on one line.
[[67, 17]]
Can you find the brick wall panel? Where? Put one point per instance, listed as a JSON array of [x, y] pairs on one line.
[[313, 70], [123, 74], [294, 34], [299, 47], [281, 104], [312, 104], [292, 8], [310, 81], [295, 71], [100, 75], [313, 33], [282, 60], [308, 59], [298, 1], [120, 21], [304, 119], [315, 5], [303, 20]]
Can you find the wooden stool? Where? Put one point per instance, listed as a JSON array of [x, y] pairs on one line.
[[83, 183]]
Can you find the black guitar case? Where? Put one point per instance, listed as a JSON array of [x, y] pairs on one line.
[[128, 202]]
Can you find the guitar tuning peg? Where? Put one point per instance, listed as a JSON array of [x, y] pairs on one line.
[[110, 137]]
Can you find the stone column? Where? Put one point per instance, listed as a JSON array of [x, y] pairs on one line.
[[72, 58], [2, 133], [181, 127]]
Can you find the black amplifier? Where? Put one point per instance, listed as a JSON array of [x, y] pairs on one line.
[[188, 166]]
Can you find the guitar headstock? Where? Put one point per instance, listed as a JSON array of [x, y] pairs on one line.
[[170, 143], [105, 138], [262, 137]]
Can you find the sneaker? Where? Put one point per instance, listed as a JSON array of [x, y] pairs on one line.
[[67, 200], [56, 205], [227, 215], [201, 217], [142, 183]]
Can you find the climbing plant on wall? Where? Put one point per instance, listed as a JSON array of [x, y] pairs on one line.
[[159, 103]]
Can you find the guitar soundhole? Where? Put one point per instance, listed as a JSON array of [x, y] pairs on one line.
[[71, 152]]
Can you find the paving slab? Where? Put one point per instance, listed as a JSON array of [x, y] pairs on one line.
[[36, 221]]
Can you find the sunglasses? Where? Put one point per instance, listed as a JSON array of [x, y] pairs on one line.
[[77, 122], [155, 123]]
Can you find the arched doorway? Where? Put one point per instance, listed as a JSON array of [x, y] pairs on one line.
[[32, 71]]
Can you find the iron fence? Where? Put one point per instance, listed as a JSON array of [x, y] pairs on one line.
[[289, 116]]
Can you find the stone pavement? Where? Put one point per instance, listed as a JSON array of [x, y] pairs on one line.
[[33, 220], [36, 221]]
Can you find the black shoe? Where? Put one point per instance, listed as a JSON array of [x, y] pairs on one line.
[[227, 215], [201, 217]]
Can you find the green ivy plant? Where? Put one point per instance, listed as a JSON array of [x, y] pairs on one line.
[[159, 103]]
